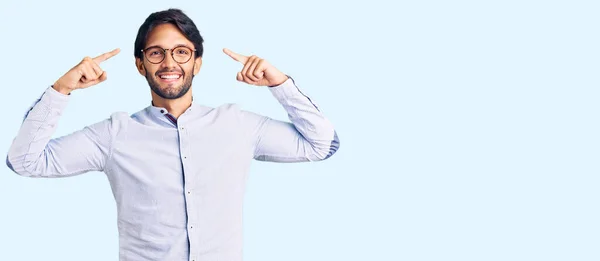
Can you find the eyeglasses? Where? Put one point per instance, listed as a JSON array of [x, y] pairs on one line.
[[156, 55]]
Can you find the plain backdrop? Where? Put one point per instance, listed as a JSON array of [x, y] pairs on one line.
[[469, 129]]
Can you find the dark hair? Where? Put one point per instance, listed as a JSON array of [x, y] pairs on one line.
[[172, 16]]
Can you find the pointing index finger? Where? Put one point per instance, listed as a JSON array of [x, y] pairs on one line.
[[106, 56], [238, 57]]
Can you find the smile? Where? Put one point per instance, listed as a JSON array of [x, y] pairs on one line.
[[170, 76]]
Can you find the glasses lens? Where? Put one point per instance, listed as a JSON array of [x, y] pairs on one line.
[[155, 54], [182, 54]]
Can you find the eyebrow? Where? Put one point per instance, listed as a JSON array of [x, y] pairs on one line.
[[179, 45]]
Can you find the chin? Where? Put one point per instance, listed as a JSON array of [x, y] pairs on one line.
[[169, 90]]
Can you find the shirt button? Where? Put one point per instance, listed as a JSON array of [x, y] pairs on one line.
[[189, 192], [162, 111]]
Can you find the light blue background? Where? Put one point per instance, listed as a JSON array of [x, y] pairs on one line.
[[469, 129]]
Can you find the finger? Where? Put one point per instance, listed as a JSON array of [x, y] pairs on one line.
[[259, 70], [96, 68], [247, 66], [251, 68], [88, 64], [238, 57], [96, 81], [241, 78], [90, 83], [87, 73], [102, 77], [106, 56]]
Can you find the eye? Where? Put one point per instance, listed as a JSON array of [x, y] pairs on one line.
[[182, 51], [154, 52]]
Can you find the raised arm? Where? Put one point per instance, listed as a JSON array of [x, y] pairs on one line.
[[308, 137], [34, 153]]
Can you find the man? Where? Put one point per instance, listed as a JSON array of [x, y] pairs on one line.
[[177, 169]]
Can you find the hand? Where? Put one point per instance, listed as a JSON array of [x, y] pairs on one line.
[[87, 73], [257, 71]]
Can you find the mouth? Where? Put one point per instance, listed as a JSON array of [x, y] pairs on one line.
[[169, 77]]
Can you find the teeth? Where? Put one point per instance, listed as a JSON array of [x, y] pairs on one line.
[[169, 76]]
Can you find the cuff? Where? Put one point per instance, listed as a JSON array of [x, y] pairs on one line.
[[54, 99], [285, 90]]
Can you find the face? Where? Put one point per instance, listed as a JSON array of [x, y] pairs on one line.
[[169, 79]]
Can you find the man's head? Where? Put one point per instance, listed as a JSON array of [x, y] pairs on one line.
[[169, 73]]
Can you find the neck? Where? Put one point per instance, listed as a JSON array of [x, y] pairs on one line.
[[175, 107]]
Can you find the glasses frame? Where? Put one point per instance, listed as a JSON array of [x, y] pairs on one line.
[[144, 51]]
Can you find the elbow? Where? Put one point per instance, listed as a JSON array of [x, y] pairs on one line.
[[10, 164], [17, 166], [325, 152], [335, 145]]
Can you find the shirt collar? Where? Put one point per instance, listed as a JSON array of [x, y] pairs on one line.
[[162, 114]]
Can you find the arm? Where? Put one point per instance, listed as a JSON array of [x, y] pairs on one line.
[[309, 136], [34, 154]]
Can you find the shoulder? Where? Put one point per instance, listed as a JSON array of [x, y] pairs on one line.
[[223, 110], [120, 117], [229, 107], [113, 124]]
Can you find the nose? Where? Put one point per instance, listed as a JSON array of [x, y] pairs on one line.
[[169, 62]]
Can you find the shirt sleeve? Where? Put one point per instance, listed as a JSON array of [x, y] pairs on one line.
[[34, 154], [308, 137]]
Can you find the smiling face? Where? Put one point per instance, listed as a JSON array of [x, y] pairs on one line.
[[168, 79]]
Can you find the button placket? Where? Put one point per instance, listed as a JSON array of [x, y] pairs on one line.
[[189, 201]]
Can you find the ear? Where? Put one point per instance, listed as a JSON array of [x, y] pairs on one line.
[[139, 64], [197, 65]]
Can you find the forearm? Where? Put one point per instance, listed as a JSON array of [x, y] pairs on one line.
[[308, 120], [27, 152]]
